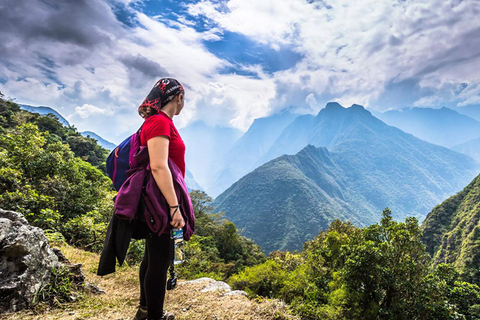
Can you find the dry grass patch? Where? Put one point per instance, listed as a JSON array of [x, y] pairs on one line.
[[122, 293]]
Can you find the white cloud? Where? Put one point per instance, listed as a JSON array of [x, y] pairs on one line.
[[88, 110], [99, 78], [267, 21], [353, 49], [230, 100]]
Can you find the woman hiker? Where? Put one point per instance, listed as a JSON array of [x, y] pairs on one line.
[[163, 141], [156, 217]]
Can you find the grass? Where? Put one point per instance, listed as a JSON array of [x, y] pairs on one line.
[[122, 292]]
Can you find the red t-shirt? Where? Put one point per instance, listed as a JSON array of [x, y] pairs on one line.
[[161, 125]]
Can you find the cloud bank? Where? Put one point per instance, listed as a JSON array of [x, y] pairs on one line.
[[95, 60]]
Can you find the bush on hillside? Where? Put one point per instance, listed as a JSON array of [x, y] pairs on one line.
[[379, 272]]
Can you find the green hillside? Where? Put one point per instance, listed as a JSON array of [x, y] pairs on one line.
[[451, 231], [280, 207]]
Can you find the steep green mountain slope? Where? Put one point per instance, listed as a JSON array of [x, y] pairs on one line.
[[368, 166], [288, 200], [451, 232]]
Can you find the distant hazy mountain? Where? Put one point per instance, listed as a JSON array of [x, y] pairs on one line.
[[473, 111], [451, 232], [205, 145], [45, 111], [368, 166], [104, 143], [292, 139], [191, 183], [246, 152], [443, 126], [470, 148]]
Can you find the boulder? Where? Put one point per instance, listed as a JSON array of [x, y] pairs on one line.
[[26, 261], [217, 286], [210, 285]]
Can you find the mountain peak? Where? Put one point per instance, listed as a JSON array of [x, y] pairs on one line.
[[333, 106], [357, 107]]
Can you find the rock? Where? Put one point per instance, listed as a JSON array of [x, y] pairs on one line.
[[61, 257], [77, 276], [217, 286], [237, 293], [204, 279], [213, 285], [26, 262], [93, 289]]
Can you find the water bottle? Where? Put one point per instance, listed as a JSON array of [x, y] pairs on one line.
[[178, 250]]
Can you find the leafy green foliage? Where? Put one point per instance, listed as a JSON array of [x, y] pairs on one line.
[[50, 173], [44, 180], [61, 288], [378, 272], [216, 250]]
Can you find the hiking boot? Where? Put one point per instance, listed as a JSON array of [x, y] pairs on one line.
[[141, 313], [167, 316]]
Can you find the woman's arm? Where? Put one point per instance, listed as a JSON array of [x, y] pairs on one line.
[[158, 153]]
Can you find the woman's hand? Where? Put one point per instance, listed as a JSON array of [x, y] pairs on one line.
[[177, 219]]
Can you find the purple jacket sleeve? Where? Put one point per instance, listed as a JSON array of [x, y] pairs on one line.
[[157, 212]]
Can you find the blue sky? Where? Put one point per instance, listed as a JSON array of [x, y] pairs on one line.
[[95, 60]]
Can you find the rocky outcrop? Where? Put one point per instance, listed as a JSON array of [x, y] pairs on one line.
[[26, 261], [211, 285]]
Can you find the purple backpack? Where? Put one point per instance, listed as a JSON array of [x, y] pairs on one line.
[[121, 159]]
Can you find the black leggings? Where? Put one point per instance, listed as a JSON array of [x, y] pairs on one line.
[[153, 271]]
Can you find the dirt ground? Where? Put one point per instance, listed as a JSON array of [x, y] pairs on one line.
[[120, 300]]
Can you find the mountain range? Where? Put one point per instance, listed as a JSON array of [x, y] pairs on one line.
[[104, 143], [470, 148], [445, 127], [473, 111], [353, 166]]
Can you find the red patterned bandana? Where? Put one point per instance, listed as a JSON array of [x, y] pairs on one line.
[[162, 93]]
